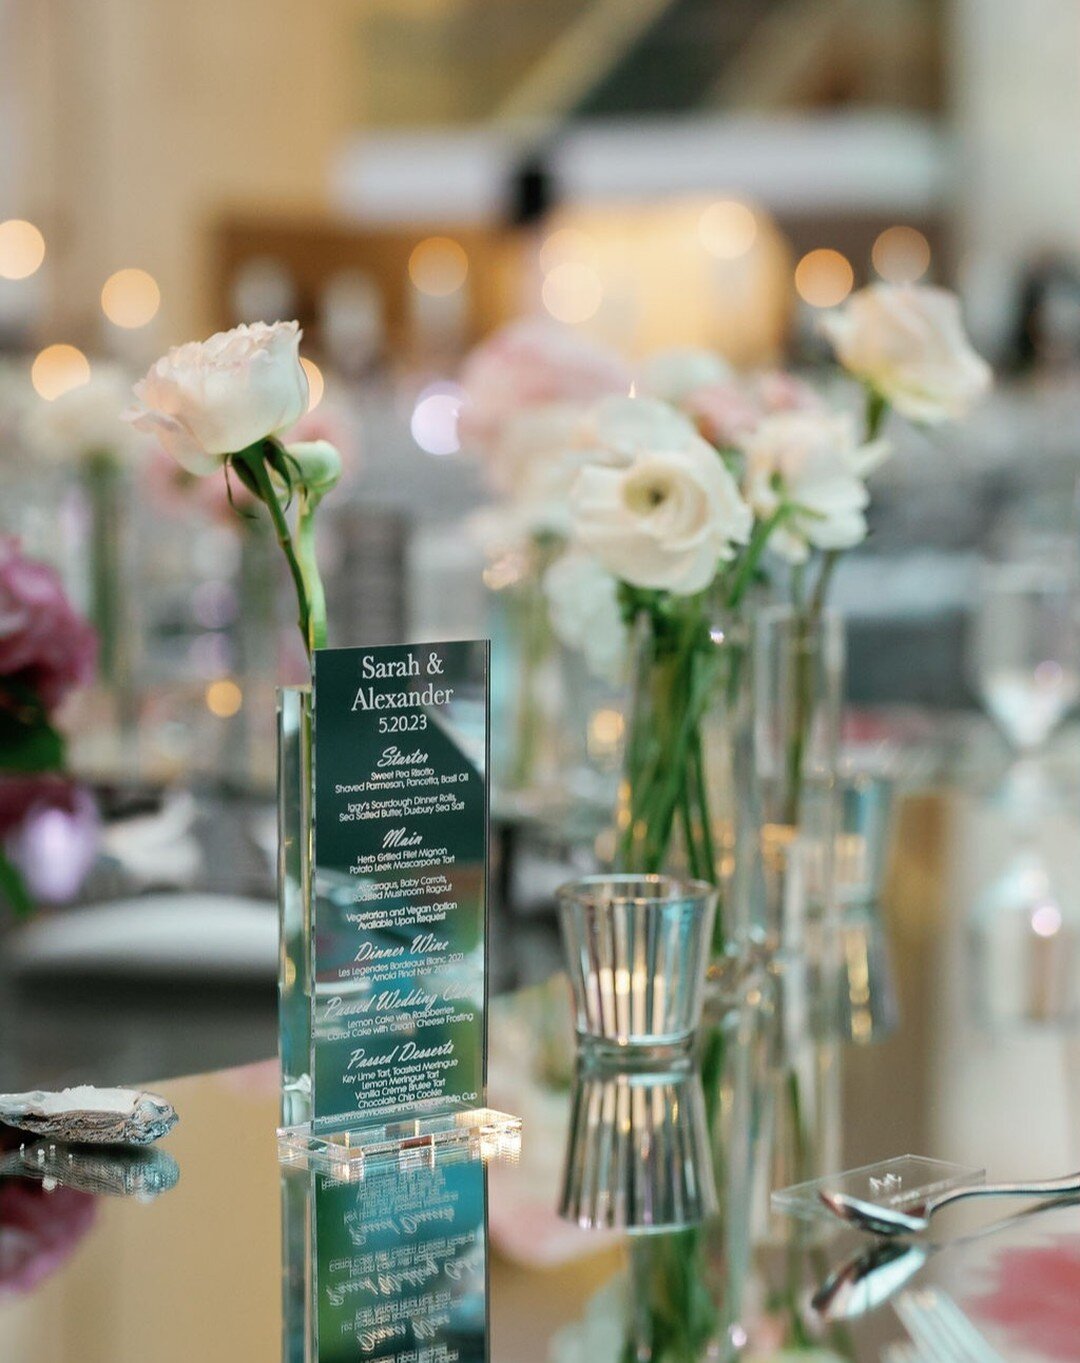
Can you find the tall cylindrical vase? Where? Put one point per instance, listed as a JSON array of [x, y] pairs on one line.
[[798, 665], [685, 805], [688, 1301]]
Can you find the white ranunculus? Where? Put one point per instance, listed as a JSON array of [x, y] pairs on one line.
[[583, 599], [601, 1335], [206, 400], [812, 462], [908, 343], [673, 375], [658, 508]]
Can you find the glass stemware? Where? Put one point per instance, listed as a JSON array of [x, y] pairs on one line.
[[1025, 657]]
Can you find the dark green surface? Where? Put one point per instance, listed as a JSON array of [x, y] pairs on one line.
[[399, 929]]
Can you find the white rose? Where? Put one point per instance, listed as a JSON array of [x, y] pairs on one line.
[[812, 462], [583, 599], [206, 400], [908, 343], [673, 375], [664, 511]]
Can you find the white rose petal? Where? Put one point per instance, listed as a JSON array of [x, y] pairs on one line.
[[908, 343], [583, 600], [206, 400], [812, 462]]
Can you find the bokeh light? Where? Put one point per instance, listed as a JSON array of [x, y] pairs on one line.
[[438, 266], [572, 292], [224, 698], [567, 245], [824, 278], [434, 422], [1046, 920], [22, 249], [315, 381], [901, 255], [130, 298], [57, 370], [728, 229]]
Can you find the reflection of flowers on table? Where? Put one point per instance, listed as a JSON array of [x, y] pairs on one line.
[[39, 1229], [1034, 1296]]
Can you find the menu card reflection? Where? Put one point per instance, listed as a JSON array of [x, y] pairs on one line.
[[390, 1267]]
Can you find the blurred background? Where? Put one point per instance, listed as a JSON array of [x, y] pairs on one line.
[[404, 176]]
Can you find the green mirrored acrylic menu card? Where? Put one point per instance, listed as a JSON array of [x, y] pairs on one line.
[[383, 828]]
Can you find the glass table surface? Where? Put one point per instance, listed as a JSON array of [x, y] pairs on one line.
[[983, 1068]]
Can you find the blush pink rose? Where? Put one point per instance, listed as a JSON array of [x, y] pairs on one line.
[[45, 645], [777, 391], [532, 363], [723, 412], [727, 411]]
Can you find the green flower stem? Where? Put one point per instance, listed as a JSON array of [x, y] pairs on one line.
[[759, 539], [309, 567], [254, 463]]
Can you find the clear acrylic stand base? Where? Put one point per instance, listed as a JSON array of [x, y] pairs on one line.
[[472, 1133]]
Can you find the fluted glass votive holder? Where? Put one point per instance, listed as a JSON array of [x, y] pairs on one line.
[[638, 1156], [637, 948]]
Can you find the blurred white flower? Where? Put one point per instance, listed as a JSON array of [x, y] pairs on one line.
[[673, 374], [84, 421], [908, 343], [583, 599], [812, 462], [206, 400], [533, 463], [659, 508], [601, 1336]]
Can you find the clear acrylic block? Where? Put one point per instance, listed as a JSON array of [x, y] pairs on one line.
[[903, 1182], [475, 1133]]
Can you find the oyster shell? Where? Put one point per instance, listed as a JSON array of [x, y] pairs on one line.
[[91, 1116]]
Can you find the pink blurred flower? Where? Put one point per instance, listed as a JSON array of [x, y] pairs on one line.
[[727, 411], [222, 497], [532, 363], [723, 412], [777, 391], [45, 645], [50, 829], [39, 1230]]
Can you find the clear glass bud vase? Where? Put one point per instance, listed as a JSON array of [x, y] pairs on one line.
[[798, 667], [684, 805], [295, 849]]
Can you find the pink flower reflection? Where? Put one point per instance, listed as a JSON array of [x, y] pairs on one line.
[[1035, 1299], [39, 1230]]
